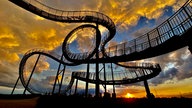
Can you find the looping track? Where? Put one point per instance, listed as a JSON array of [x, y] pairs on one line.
[[158, 41], [73, 57]]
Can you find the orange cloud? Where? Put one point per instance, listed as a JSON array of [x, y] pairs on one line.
[[46, 39], [21, 30], [126, 13], [8, 43]]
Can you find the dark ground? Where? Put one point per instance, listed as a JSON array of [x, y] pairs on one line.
[[55, 101]]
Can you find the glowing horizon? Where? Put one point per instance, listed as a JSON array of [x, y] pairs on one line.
[[22, 31]]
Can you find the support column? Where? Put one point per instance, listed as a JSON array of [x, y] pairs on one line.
[[113, 94], [97, 93], [62, 79], [106, 94], [87, 83], [56, 78], [76, 86], [149, 95], [97, 89], [15, 86], [31, 74]]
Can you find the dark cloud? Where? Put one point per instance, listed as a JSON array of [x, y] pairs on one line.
[[21, 30], [164, 76], [174, 66], [9, 74], [185, 69]]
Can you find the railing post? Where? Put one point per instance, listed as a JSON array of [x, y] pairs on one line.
[[170, 28], [187, 13], [148, 40], [159, 34]]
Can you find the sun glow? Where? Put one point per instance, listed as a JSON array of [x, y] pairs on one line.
[[129, 95]]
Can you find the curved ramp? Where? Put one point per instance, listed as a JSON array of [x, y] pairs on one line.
[[172, 34], [50, 13], [24, 70], [134, 74], [160, 40]]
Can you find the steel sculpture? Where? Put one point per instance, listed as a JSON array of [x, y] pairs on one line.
[[158, 41]]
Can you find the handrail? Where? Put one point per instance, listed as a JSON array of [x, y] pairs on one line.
[[70, 16], [157, 36], [176, 25], [129, 76]]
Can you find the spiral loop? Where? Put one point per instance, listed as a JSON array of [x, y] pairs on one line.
[[82, 56]]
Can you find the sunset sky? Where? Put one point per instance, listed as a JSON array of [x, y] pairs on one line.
[[21, 31]]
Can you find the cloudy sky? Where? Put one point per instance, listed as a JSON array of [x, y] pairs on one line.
[[21, 31]]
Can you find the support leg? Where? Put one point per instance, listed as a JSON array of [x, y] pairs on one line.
[[87, 83], [97, 89], [149, 95], [15, 86], [31, 74], [113, 94], [76, 87], [97, 93]]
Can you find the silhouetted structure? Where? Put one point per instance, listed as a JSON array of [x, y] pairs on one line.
[[160, 40]]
